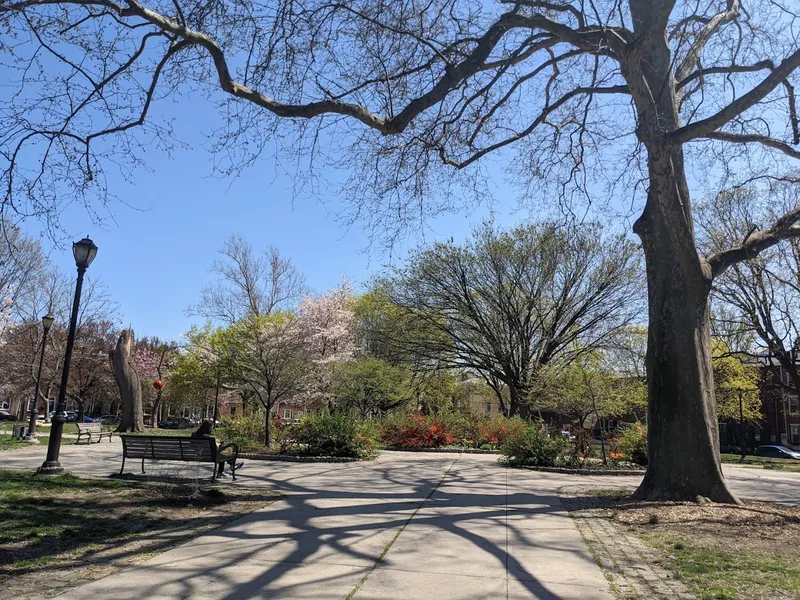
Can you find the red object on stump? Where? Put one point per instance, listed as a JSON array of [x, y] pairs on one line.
[[158, 384]]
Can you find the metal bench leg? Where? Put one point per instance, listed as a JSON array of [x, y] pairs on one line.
[[123, 465], [142, 466]]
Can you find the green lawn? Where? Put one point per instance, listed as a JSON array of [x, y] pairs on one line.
[[717, 572], [9, 443], [760, 462]]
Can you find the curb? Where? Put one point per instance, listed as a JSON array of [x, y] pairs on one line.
[[605, 472], [445, 450], [294, 458]]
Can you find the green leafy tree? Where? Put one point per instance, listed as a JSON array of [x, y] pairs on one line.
[[508, 303], [735, 379], [370, 386]]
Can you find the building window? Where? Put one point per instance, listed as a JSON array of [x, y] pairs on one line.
[[233, 410], [5, 405], [795, 431], [287, 413], [793, 408], [488, 408]]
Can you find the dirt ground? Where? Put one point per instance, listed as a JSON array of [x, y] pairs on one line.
[[720, 552], [60, 537]]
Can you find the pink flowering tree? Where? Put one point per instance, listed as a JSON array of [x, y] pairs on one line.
[[153, 359], [328, 323]]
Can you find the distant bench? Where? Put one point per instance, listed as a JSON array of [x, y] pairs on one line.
[[91, 431], [185, 449]]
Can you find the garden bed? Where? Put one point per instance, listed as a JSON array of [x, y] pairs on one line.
[[585, 470], [445, 449], [297, 457]]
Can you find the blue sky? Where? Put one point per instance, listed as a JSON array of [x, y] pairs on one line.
[[155, 258]]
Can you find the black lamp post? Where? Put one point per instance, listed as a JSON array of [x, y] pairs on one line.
[[47, 322], [84, 252]]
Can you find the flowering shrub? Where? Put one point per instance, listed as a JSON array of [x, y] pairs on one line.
[[493, 433], [417, 431], [633, 442], [447, 429], [534, 446]]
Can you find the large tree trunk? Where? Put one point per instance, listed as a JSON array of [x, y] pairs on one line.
[[130, 388], [682, 423]]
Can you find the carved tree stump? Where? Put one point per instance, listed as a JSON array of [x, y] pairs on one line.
[[130, 388]]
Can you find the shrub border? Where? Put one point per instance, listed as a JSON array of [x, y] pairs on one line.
[[445, 450], [298, 458], [576, 471]]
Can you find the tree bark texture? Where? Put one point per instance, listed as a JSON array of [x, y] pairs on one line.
[[683, 436], [130, 388]]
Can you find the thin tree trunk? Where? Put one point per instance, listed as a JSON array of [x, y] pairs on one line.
[[81, 411], [155, 408], [267, 428], [127, 379]]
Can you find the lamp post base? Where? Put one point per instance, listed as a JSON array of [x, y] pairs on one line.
[[50, 468], [31, 438]]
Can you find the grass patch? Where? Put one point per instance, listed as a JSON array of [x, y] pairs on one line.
[[612, 493], [9, 443], [762, 462], [64, 522], [166, 432], [716, 572]]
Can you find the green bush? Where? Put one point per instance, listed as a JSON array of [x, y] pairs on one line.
[[632, 442], [534, 446], [240, 426], [336, 434]]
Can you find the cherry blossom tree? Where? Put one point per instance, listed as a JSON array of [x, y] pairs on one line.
[[328, 325], [154, 360]]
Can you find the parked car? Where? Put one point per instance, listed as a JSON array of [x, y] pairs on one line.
[[110, 419], [72, 416], [178, 423], [88, 420], [7, 416], [776, 452], [726, 448]]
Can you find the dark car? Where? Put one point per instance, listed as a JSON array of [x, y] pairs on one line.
[[726, 448], [7, 416], [776, 452]]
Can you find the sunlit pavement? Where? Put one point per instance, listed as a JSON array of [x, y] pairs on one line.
[[408, 525]]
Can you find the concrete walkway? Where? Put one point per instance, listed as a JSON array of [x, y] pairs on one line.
[[409, 525]]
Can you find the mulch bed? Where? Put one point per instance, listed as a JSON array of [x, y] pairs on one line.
[[446, 450], [585, 470], [297, 458]]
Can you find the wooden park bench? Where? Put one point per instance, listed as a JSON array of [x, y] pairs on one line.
[[91, 431], [185, 449]]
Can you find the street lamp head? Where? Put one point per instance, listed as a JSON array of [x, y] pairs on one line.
[[47, 321], [84, 252]]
